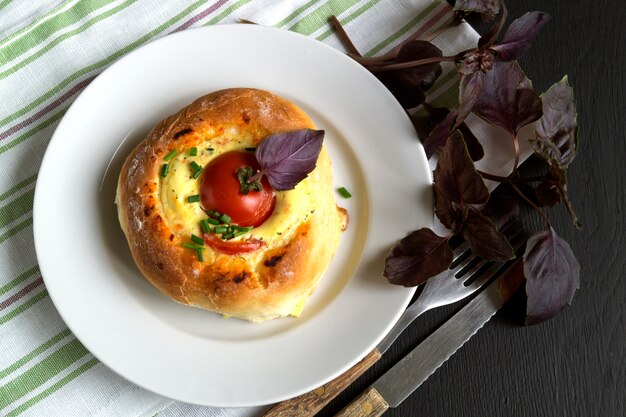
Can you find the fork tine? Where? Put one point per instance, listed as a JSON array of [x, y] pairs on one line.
[[485, 276], [510, 230], [461, 255]]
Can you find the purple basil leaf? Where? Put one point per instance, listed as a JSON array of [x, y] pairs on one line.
[[430, 118], [420, 255], [520, 34], [287, 158], [429, 80], [488, 8], [485, 239], [501, 207], [413, 51], [439, 134], [449, 213], [552, 275], [408, 97], [408, 85], [424, 120], [557, 129], [456, 174], [505, 101], [469, 88]]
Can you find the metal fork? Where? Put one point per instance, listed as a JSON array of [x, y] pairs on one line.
[[468, 273], [465, 277]]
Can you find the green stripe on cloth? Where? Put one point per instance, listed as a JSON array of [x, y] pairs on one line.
[[448, 98], [19, 310], [33, 25], [319, 17], [349, 18], [97, 65], [403, 30], [34, 377], [18, 280], [17, 208], [35, 352], [64, 37], [55, 24], [295, 13], [23, 225], [18, 187], [55, 387], [4, 4]]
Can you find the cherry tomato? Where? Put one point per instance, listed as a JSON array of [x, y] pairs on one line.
[[219, 190], [232, 247]]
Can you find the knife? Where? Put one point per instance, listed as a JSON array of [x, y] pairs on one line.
[[408, 374]]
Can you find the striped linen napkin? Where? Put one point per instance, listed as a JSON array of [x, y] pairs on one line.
[[50, 50]]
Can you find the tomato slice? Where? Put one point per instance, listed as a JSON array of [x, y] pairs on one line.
[[220, 190], [230, 247]]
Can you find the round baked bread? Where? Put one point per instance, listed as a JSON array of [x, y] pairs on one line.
[[298, 239]]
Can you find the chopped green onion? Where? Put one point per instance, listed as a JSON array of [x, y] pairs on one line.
[[213, 213], [204, 225], [194, 166], [224, 218], [343, 192], [228, 236], [197, 174], [171, 155], [212, 221], [191, 246], [193, 151], [200, 255], [220, 229], [197, 239], [241, 232], [241, 228], [193, 198], [164, 170]]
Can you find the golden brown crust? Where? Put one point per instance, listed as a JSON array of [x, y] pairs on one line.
[[254, 288]]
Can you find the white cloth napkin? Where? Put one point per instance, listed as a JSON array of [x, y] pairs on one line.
[[49, 51]]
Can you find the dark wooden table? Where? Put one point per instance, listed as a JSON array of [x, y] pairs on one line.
[[574, 364]]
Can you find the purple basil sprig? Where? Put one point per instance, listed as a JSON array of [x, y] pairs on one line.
[[287, 158], [493, 87]]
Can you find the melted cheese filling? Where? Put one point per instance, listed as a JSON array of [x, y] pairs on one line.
[[291, 208]]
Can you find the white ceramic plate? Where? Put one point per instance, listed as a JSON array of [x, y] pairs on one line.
[[195, 355]]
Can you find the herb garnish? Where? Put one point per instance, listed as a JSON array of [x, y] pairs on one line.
[[494, 87], [344, 192], [171, 154], [223, 226], [246, 185], [287, 158]]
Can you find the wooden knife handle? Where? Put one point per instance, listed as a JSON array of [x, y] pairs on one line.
[[307, 405], [369, 404]]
